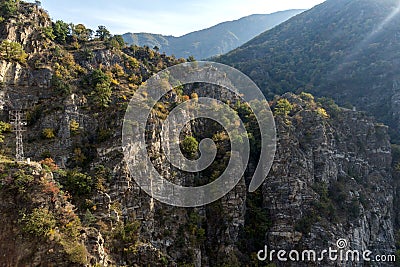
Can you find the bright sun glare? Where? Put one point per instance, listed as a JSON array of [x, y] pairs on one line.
[[367, 40]]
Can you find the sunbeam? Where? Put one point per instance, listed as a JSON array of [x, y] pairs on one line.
[[383, 23], [367, 40]]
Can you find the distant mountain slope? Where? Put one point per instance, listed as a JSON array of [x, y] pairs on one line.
[[215, 40], [345, 49]]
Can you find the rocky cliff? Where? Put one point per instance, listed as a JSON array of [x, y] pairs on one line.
[[331, 177], [331, 180]]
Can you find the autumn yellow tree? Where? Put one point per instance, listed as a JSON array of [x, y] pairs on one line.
[[12, 51]]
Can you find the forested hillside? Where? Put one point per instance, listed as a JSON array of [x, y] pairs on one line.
[[345, 49]]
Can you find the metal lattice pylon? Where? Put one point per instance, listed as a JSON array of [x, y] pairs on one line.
[[19, 123], [17, 105]]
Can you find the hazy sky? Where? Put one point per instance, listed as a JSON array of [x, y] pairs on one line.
[[174, 17]]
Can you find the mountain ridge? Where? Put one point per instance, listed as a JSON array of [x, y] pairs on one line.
[[214, 40]]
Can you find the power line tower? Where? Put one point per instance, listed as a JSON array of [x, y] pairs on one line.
[[17, 106], [19, 122]]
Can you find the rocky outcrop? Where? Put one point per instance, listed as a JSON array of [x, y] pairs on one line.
[[22, 84], [38, 223], [331, 180], [25, 28]]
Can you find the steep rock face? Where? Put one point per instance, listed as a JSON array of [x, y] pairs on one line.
[[203, 236], [20, 80], [330, 180]]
